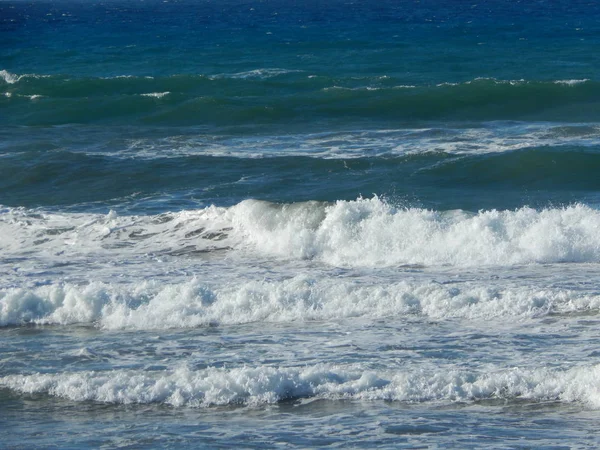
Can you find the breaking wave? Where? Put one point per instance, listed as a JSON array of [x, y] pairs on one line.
[[265, 385], [153, 305], [361, 233]]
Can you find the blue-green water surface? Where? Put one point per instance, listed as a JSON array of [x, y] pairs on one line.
[[278, 223]]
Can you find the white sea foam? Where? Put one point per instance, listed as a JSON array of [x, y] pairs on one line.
[[265, 384], [8, 77], [154, 305], [497, 81], [118, 77], [12, 78], [263, 73], [371, 232], [27, 232], [571, 82], [30, 97], [519, 82], [366, 88], [494, 137], [156, 94], [482, 79], [362, 233]]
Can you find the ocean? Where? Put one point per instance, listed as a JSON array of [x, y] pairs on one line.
[[269, 223]]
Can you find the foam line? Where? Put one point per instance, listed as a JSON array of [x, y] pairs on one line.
[[154, 305], [265, 385]]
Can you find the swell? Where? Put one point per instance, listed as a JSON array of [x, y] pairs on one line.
[[561, 168], [270, 96], [537, 176]]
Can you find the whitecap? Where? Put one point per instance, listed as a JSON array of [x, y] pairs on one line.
[[12, 78], [184, 387], [572, 82], [156, 94], [9, 77], [146, 305], [262, 73]]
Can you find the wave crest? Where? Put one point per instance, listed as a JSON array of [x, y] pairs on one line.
[[373, 233], [265, 96], [266, 385], [153, 305], [361, 233]]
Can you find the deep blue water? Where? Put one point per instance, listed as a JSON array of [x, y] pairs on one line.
[[302, 223]]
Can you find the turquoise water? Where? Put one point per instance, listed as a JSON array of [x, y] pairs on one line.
[[369, 224]]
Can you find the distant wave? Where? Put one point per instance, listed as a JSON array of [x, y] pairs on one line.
[[11, 78], [258, 385], [156, 94], [533, 168], [280, 95], [572, 82], [257, 74], [543, 146]]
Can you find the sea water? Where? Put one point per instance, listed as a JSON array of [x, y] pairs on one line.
[[299, 224]]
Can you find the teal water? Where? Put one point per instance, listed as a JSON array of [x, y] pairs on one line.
[[265, 223], [144, 81]]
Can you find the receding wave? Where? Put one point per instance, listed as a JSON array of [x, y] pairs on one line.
[[279, 95], [185, 387]]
